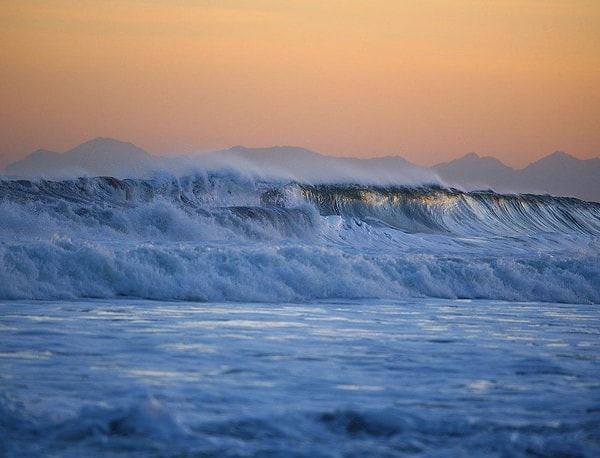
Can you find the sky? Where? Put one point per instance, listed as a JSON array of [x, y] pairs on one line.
[[429, 80]]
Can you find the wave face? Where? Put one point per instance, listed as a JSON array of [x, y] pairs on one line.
[[229, 237]]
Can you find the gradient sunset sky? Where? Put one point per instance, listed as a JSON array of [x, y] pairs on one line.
[[429, 80]]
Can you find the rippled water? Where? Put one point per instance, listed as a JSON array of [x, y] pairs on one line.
[[422, 377]]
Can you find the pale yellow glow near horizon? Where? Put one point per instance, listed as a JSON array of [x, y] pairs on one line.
[[429, 80]]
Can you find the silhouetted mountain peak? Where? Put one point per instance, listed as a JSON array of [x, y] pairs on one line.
[[556, 159], [470, 157], [474, 171], [103, 146], [474, 158], [100, 156], [560, 155], [558, 173]]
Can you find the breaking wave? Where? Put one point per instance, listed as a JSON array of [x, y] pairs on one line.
[[225, 236]]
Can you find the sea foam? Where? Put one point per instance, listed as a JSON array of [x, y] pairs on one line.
[[227, 236]]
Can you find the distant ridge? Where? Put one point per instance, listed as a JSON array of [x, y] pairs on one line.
[[100, 156], [301, 163], [563, 174], [476, 172], [558, 174]]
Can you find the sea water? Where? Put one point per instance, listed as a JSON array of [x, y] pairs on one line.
[[427, 377], [219, 314]]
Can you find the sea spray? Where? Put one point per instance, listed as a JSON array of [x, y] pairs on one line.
[[226, 236]]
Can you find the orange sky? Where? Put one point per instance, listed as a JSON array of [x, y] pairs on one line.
[[430, 80]]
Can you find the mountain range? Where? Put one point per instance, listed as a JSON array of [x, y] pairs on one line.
[[557, 174]]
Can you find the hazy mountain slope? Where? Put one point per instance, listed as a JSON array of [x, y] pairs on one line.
[[557, 174], [565, 175], [305, 165], [474, 172], [101, 156], [39, 161]]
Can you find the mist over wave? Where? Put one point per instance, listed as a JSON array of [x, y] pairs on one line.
[[114, 158], [224, 235], [558, 174]]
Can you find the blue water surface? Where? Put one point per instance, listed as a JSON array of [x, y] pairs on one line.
[[421, 377]]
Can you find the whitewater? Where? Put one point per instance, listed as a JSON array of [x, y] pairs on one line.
[[223, 313]]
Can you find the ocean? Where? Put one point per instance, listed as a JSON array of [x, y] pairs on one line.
[[222, 314]]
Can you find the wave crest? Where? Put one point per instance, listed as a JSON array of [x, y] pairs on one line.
[[227, 237]]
